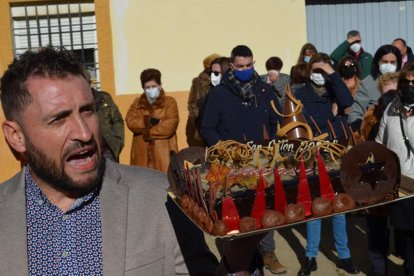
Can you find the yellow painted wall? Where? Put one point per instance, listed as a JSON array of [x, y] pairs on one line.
[[173, 36]]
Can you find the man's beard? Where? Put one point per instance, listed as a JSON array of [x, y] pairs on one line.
[[54, 174]]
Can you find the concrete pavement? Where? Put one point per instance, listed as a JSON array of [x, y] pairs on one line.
[[291, 242]]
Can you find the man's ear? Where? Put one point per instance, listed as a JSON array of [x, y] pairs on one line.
[[14, 136], [232, 66]]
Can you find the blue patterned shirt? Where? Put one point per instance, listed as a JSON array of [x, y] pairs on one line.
[[63, 243]]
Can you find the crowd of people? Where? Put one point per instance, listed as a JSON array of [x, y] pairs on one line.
[[70, 171], [345, 94]]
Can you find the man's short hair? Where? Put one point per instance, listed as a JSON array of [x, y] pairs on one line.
[[45, 62], [149, 75], [274, 63], [353, 33], [402, 41], [240, 51]]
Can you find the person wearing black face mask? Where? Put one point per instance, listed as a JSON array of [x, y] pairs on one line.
[[378, 233], [397, 125], [350, 72], [407, 92]]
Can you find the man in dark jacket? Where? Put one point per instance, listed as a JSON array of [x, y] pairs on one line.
[[405, 51], [111, 124], [240, 109], [352, 46]]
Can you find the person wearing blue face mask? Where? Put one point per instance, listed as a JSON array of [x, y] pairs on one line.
[[239, 108], [306, 52]]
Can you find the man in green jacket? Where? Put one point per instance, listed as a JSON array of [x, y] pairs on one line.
[[352, 46], [111, 124]]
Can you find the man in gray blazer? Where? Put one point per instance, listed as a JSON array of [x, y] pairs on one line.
[[68, 211]]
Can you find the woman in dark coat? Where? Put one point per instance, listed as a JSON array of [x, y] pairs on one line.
[[324, 97]]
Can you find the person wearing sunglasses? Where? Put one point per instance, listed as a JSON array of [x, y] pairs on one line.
[[199, 89], [396, 131]]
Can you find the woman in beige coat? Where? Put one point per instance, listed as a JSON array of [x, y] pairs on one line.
[[153, 120]]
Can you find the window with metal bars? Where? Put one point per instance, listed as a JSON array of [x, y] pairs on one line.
[[71, 25]]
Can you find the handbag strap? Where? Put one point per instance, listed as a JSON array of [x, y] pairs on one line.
[[405, 138]]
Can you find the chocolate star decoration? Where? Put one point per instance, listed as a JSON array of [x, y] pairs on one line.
[[372, 172]]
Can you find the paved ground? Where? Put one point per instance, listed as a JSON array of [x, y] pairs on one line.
[[290, 243]]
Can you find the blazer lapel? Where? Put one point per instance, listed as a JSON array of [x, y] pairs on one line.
[[114, 211], [13, 229]]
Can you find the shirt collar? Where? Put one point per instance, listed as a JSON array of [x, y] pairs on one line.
[[33, 192], [404, 59]]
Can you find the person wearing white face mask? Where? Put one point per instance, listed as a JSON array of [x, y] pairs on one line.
[[198, 92], [387, 59], [324, 88], [153, 120], [215, 78], [352, 46]]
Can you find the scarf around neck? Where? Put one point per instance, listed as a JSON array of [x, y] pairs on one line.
[[243, 89]]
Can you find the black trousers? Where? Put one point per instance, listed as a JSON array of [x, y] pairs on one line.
[[378, 243], [407, 239]]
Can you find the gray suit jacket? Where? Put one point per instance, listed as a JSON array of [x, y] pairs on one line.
[[138, 238]]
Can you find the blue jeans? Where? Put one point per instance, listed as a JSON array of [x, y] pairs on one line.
[[340, 236], [267, 244]]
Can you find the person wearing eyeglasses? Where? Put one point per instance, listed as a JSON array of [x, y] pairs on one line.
[[198, 91], [396, 131], [350, 72], [353, 46]]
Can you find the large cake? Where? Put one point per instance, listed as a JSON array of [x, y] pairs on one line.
[[233, 187], [297, 180]]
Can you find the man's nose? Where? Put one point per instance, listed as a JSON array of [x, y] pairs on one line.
[[81, 130]]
